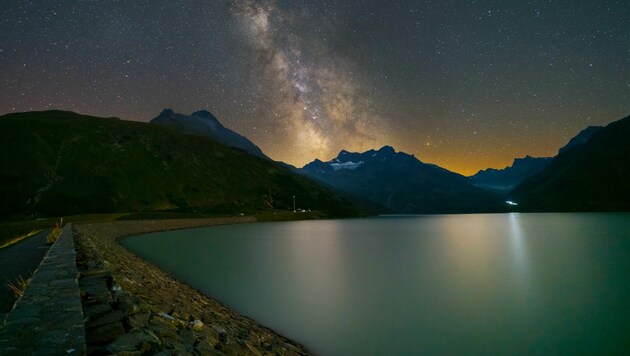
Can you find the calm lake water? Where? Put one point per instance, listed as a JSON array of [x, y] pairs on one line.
[[446, 284]]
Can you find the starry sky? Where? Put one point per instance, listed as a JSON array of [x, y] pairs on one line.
[[466, 85]]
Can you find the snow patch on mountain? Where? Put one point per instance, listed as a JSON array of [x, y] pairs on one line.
[[346, 165]]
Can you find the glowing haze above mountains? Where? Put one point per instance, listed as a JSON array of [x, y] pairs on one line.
[[466, 85]]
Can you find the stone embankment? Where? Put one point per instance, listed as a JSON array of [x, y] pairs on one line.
[[132, 307], [48, 318]]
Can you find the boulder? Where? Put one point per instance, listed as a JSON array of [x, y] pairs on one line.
[[197, 325], [135, 341]]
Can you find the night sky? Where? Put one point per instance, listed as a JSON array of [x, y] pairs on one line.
[[466, 85]]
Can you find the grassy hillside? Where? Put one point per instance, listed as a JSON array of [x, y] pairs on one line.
[[57, 163], [593, 176]]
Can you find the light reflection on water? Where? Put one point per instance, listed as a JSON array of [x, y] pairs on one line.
[[518, 248], [496, 283]]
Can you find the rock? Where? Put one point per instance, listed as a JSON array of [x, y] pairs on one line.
[[165, 319], [265, 345], [228, 339], [251, 350], [166, 316], [212, 337], [134, 341], [233, 349], [165, 329], [105, 334], [204, 347], [176, 315], [94, 311], [188, 336], [108, 318], [180, 349], [291, 351], [138, 321], [219, 329], [197, 325], [128, 304]]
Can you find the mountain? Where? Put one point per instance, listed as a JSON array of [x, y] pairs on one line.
[[581, 138], [203, 123], [400, 182], [592, 176], [504, 180], [57, 163]]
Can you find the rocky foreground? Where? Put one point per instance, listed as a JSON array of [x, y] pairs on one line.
[[132, 307]]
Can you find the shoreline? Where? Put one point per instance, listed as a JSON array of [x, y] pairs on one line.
[[158, 311]]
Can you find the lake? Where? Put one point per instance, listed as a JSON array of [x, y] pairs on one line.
[[431, 284]]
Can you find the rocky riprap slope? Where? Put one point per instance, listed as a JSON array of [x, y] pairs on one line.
[[132, 307]]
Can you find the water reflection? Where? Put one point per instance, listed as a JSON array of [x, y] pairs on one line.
[[470, 247], [316, 263], [450, 284], [518, 249]]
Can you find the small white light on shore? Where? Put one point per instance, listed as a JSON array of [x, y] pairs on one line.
[[509, 202]]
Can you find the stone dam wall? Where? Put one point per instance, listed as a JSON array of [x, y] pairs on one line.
[[48, 318], [90, 296]]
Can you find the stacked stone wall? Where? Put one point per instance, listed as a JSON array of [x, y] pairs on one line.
[[48, 318]]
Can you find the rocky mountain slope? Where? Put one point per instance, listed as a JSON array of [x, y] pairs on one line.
[[203, 123], [402, 183]]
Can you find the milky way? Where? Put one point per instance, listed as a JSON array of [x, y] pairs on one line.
[[317, 105], [466, 85]]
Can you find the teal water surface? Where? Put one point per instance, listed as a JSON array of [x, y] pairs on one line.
[[401, 285]]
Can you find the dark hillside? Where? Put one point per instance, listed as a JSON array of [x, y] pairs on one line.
[[593, 176], [58, 163]]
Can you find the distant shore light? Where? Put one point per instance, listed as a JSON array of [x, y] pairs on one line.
[[509, 202]]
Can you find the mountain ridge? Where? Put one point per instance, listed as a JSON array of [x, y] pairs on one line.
[[591, 176], [204, 123], [506, 179], [119, 165], [401, 182], [78, 164], [581, 138]]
